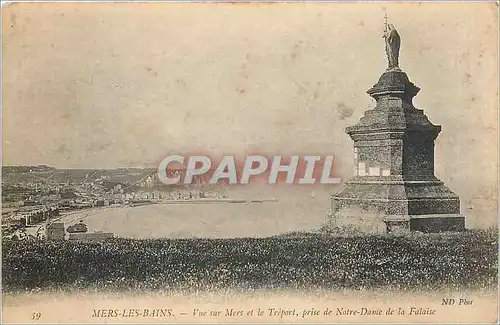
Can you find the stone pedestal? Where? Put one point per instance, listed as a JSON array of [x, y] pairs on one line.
[[394, 164]]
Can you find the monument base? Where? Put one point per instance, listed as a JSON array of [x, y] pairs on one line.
[[355, 220], [399, 205], [425, 223]]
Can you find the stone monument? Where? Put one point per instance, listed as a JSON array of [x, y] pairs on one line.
[[394, 159]]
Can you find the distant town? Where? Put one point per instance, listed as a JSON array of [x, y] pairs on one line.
[[36, 198]]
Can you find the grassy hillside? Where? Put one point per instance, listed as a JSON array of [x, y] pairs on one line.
[[418, 261]]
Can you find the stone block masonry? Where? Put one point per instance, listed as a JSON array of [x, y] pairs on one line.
[[394, 164]]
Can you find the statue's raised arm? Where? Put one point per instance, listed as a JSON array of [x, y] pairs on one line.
[[392, 44]]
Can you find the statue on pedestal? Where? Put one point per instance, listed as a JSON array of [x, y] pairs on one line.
[[394, 187], [392, 44]]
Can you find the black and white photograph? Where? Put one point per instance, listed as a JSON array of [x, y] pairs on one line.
[[249, 162]]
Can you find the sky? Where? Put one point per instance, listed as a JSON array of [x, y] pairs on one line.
[[102, 85]]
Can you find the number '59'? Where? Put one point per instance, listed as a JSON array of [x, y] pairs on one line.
[[36, 316]]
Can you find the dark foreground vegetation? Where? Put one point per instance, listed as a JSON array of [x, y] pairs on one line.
[[418, 261]]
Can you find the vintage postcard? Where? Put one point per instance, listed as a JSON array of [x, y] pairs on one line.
[[300, 162]]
